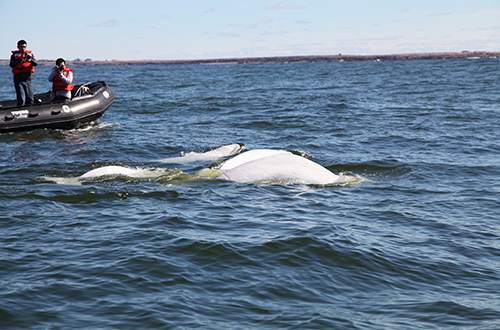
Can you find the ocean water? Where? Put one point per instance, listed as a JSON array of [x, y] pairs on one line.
[[415, 244]]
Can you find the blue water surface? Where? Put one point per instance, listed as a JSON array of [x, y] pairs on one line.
[[415, 245]]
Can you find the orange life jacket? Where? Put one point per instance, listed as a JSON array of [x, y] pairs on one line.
[[59, 85], [24, 66]]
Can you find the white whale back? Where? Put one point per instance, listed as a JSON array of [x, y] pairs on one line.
[[249, 156], [109, 170], [280, 168]]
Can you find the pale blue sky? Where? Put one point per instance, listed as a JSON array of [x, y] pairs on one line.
[[196, 29]]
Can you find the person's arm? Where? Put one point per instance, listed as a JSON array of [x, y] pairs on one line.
[[33, 60], [52, 75], [67, 80], [13, 61], [70, 77]]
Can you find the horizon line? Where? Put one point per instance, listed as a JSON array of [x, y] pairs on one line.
[[287, 58]]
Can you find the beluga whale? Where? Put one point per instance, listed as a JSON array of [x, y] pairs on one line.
[[259, 166]]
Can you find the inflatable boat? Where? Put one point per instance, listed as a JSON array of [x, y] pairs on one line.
[[88, 102]]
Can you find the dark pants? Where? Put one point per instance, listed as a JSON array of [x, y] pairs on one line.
[[24, 91], [60, 98]]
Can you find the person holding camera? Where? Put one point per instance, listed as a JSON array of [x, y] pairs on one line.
[[61, 78], [22, 62]]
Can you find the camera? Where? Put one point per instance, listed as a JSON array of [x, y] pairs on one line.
[[28, 56], [61, 68]]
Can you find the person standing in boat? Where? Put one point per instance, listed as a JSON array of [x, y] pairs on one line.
[[61, 78], [22, 62]]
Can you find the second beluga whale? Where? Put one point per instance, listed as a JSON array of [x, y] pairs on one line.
[[212, 155]]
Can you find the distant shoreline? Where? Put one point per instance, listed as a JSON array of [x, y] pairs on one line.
[[290, 59]]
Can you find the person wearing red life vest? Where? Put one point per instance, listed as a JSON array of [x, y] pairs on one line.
[[61, 78], [22, 62]]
